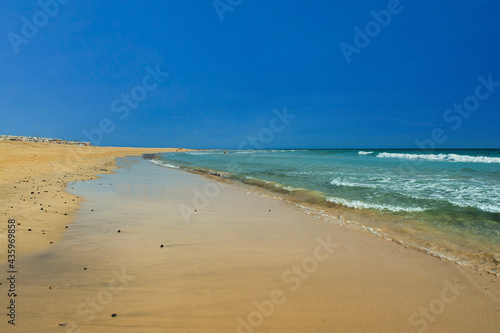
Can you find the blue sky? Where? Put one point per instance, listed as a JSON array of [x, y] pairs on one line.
[[225, 77]]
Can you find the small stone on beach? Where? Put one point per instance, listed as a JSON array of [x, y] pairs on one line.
[[114, 315]]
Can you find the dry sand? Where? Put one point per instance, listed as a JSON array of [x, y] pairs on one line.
[[240, 263]]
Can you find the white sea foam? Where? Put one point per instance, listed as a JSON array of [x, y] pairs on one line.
[[163, 164], [470, 193], [443, 157], [360, 205], [365, 152], [291, 188], [485, 207], [215, 152], [342, 182]]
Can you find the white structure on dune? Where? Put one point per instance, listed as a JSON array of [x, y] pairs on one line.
[[38, 139]]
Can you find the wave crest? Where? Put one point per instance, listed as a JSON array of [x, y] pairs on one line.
[[364, 205], [442, 157], [163, 164]]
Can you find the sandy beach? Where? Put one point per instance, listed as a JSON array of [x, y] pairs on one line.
[[33, 177], [153, 249]]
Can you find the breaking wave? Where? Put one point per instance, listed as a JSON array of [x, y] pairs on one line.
[[443, 157]]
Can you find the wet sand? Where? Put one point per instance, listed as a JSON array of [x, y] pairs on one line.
[[33, 177], [240, 263]]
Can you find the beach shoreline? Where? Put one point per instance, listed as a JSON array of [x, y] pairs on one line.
[[240, 262], [387, 227], [34, 177]]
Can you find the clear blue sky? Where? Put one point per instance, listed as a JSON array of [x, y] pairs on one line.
[[226, 76]]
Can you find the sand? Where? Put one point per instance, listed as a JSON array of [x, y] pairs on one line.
[[33, 177], [239, 263]]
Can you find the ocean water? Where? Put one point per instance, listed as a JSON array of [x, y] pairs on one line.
[[446, 203]]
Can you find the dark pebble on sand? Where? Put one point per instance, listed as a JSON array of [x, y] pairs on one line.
[[66, 226], [114, 315], [161, 245], [29, 229], [85, 268], [119, 231]]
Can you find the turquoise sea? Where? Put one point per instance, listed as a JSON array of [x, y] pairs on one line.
[[446, 202]]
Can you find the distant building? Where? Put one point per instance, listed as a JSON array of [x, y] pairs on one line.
[[43, 140]]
